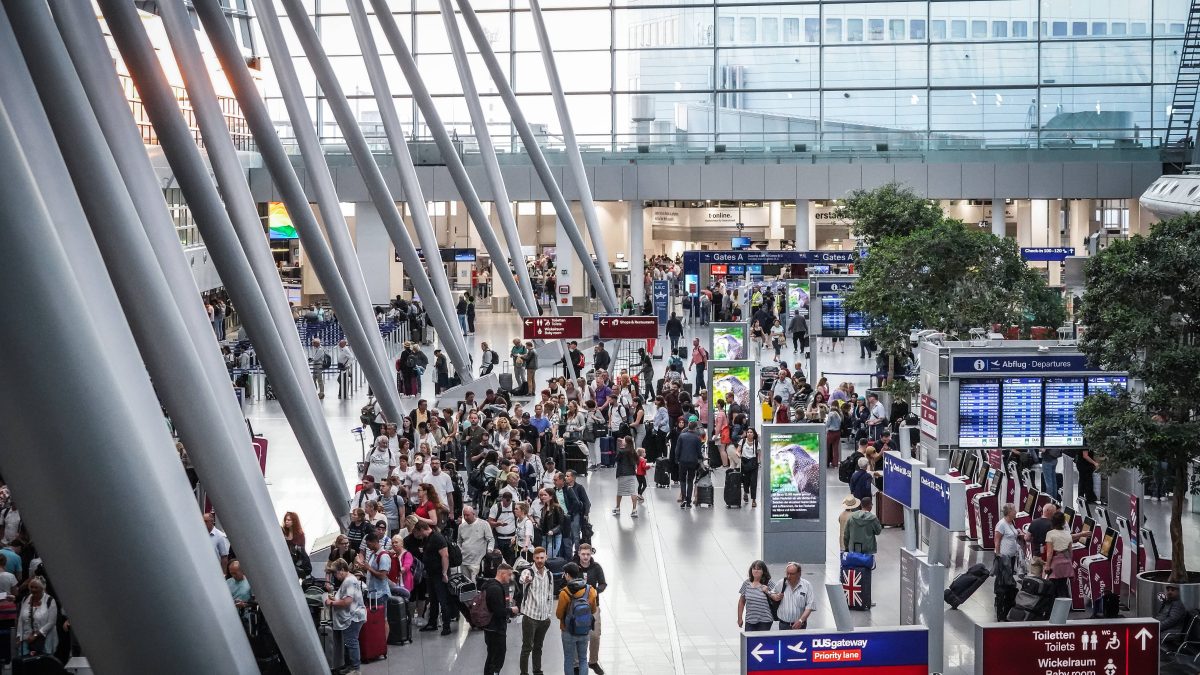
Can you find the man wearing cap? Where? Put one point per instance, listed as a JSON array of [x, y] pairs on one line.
[[690, 450], [849, 506], [503, 520]]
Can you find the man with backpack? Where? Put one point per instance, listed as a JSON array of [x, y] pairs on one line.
[[593, 576], [491, 613], [848, 466], [576, 611], [700, 360], [489, 359]]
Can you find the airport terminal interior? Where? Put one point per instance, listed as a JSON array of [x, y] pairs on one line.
[[507, 336]]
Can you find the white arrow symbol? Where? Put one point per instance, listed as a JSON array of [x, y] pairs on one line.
[[758, 652], [1143, 635], [528, 322]]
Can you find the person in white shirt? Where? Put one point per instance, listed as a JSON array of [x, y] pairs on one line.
[[12, 522], [219, 541], [407, 481], [441, 481], [877, 422], [798, 601], [419, 473], [344, 361], [382, 459], [36, 621], [475, 539], [503, 519], [368, 493], [316, 363]]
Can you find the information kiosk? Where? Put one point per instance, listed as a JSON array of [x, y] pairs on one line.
[[1118, 556], [1014, 491], [976, 484], [1079, 551], [986, 510], [1098, 569], [1148, 557], [1025, 511], [957, 457]]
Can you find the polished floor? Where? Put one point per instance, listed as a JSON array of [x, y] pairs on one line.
[[673, 575]]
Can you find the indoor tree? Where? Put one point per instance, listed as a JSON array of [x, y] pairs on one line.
[[1140, 312], [888, 211]]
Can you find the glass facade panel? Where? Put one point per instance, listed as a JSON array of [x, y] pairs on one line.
[[881, 66], [983, 64], [768, 68], [1107, 62]]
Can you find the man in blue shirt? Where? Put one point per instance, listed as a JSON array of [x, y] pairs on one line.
[[239, 586], [379, 563], [539, 421], [12, 558]]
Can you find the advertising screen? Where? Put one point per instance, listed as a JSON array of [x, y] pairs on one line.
[[729, 341], [732, 383], [1021, 423], [279, 223], [796, 477], [979, 413], [1063, 396], [797, 296], [740, 243], [691, 284], [833, 316]]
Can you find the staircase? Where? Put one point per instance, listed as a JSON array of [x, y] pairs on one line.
[[1187, 83]]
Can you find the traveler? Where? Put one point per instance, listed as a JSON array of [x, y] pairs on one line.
[[489, 359], [316, 363], [442, 482], [503, 519], [349, 613], [461, 310], [1004, 569], [688, 454], [797, 601], [531, 366], [627, 465], [878, 420], [293, 534], [862, 481], [1172, 616], [470, 314], [381, 461], [239, 587], [601, 359], [517, 354], [495, 633], [1036, 535], [642, 467], [344, 362], [436, 557], [217, 538], [368, 493], [378, 564], [1050, 459], [700, 361], [750, 458], [523, 539], [553, 521], [674, 331], [475, 540], [755, 598], [391, 503], [861, 529], [577, 605], [1086, 465], [537, 586], [798, 327], [400, 577], [441, 372], [584, 506], [849, 506], [593, 576], [1056, 556]]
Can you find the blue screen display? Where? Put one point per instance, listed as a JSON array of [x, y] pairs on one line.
[[737, 269], [833, 316], [856, 325], [740, 243], [1021, 422], [1063, 394], [979, 413], [1109, 384]]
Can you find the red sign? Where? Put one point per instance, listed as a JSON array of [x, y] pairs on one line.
[[554, 328], [929, 415], [628, 328], [1112, 647], [719, 270]]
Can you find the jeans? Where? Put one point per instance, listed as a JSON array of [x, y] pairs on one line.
[[754, 627], [497, 647], [700, 383], [462, 322], [576, 527], [350, 644], [687, 480], [553, 542], [1050, 479], [533, 634], [575, 653], [439, 598]]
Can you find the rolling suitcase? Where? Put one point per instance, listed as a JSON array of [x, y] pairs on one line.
[[704, 495], [714, 454], [1036, 585], [733, 489], [399, 621], [891, 512], [856, 584], [608, 452], [576, 458], [965, 584], [506, 384], [662, 473], [372, 640], [42, 664]]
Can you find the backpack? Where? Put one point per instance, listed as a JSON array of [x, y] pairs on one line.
[[687, 302], [848, 466], [476, 479], [477, 612], [454, 553], [579, 615], [493, 357], [326, 361], [418, 570]]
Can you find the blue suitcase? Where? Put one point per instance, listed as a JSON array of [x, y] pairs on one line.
[[608, 451]]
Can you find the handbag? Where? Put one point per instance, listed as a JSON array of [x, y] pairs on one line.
[[856, 559], [1060, 566]]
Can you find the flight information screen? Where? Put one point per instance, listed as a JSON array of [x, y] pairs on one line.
[[1111, 384], [833, 316], [856, 325], [979, 413], [1063, 395], [1021, 421]]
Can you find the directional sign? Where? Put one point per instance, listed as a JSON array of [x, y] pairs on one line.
[[943, 500], [628, 328], [1107, 647], [1048, 363], [1048, 254], [901, 479], [878, 651], [661, 299], [929, 415], [554, 328], [835, 287]]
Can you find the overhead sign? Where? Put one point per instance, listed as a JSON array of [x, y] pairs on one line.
[[754, 257], [628, 328], [835, 287], [929, 415], [554, 328], [1037, 363], [901, 479], [1048, 254], [1105, 647], [880, 651], [662, 298], [943, 500]]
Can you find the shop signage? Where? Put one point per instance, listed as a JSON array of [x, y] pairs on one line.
[[929, 415], [628, 328]]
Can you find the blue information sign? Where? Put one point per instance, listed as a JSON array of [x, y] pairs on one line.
[[1033, 364], [1048, 254], [1111, 384], [935, 498], [833, 316], [692, 260], [661, 299], [898, 480], [890, 651], [835, 287]]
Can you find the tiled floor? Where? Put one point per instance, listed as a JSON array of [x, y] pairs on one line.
[[673, 575]]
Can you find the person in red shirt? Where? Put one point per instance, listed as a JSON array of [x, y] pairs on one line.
[[642, 466]]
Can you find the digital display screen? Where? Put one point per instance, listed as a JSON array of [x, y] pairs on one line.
[[1063, 396], [833, 316], [856, 325], [797, 296], [968, 468], [993, 484], [956, 459], [463, 255], [718, 270], [691, 283], [279, 223], [740, 243], [819, 269], [979, 413], [1022, 419], [732, 383], [1111, 385], [796, 476], [1106, 544], [729, 341], [1030, 502]]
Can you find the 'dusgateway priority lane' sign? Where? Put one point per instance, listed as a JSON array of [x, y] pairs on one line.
[[877, 651]]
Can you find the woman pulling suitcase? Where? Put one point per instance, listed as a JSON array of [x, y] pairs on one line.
[[746, 480]]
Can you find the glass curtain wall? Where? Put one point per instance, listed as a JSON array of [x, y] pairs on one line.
[[793, 76]]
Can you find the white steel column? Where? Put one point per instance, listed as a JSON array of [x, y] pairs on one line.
[[803, 238], [999, 225], [637, 252]]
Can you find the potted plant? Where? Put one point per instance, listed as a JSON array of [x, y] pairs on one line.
[[1142, 314]]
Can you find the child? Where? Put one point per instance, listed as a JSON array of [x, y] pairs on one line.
[[642, 465]]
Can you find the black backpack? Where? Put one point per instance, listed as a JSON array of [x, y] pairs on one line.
[[848, 466]]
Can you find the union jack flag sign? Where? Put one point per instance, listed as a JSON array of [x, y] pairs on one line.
[[852, 584]]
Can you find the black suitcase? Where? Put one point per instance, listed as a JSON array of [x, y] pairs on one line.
[[714, 455], [1018, 614], [856, 584], [662, 473], [506, 383], [399, 619], [683, 353], [576, 458], [334, 654], [733, 489], [965, 584], [1037, 586], [704, 495], [1038, 605]]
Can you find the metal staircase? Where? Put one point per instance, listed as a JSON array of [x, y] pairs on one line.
[[1187, 83]]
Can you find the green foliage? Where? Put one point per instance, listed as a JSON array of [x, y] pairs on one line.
[[1042, 306], [889, 211], [1140, 310]]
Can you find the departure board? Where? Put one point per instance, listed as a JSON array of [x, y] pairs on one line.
[[1063, 396], [856, 324], [979, 413], [1021, 419], [1112, 384], [833, 316]]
